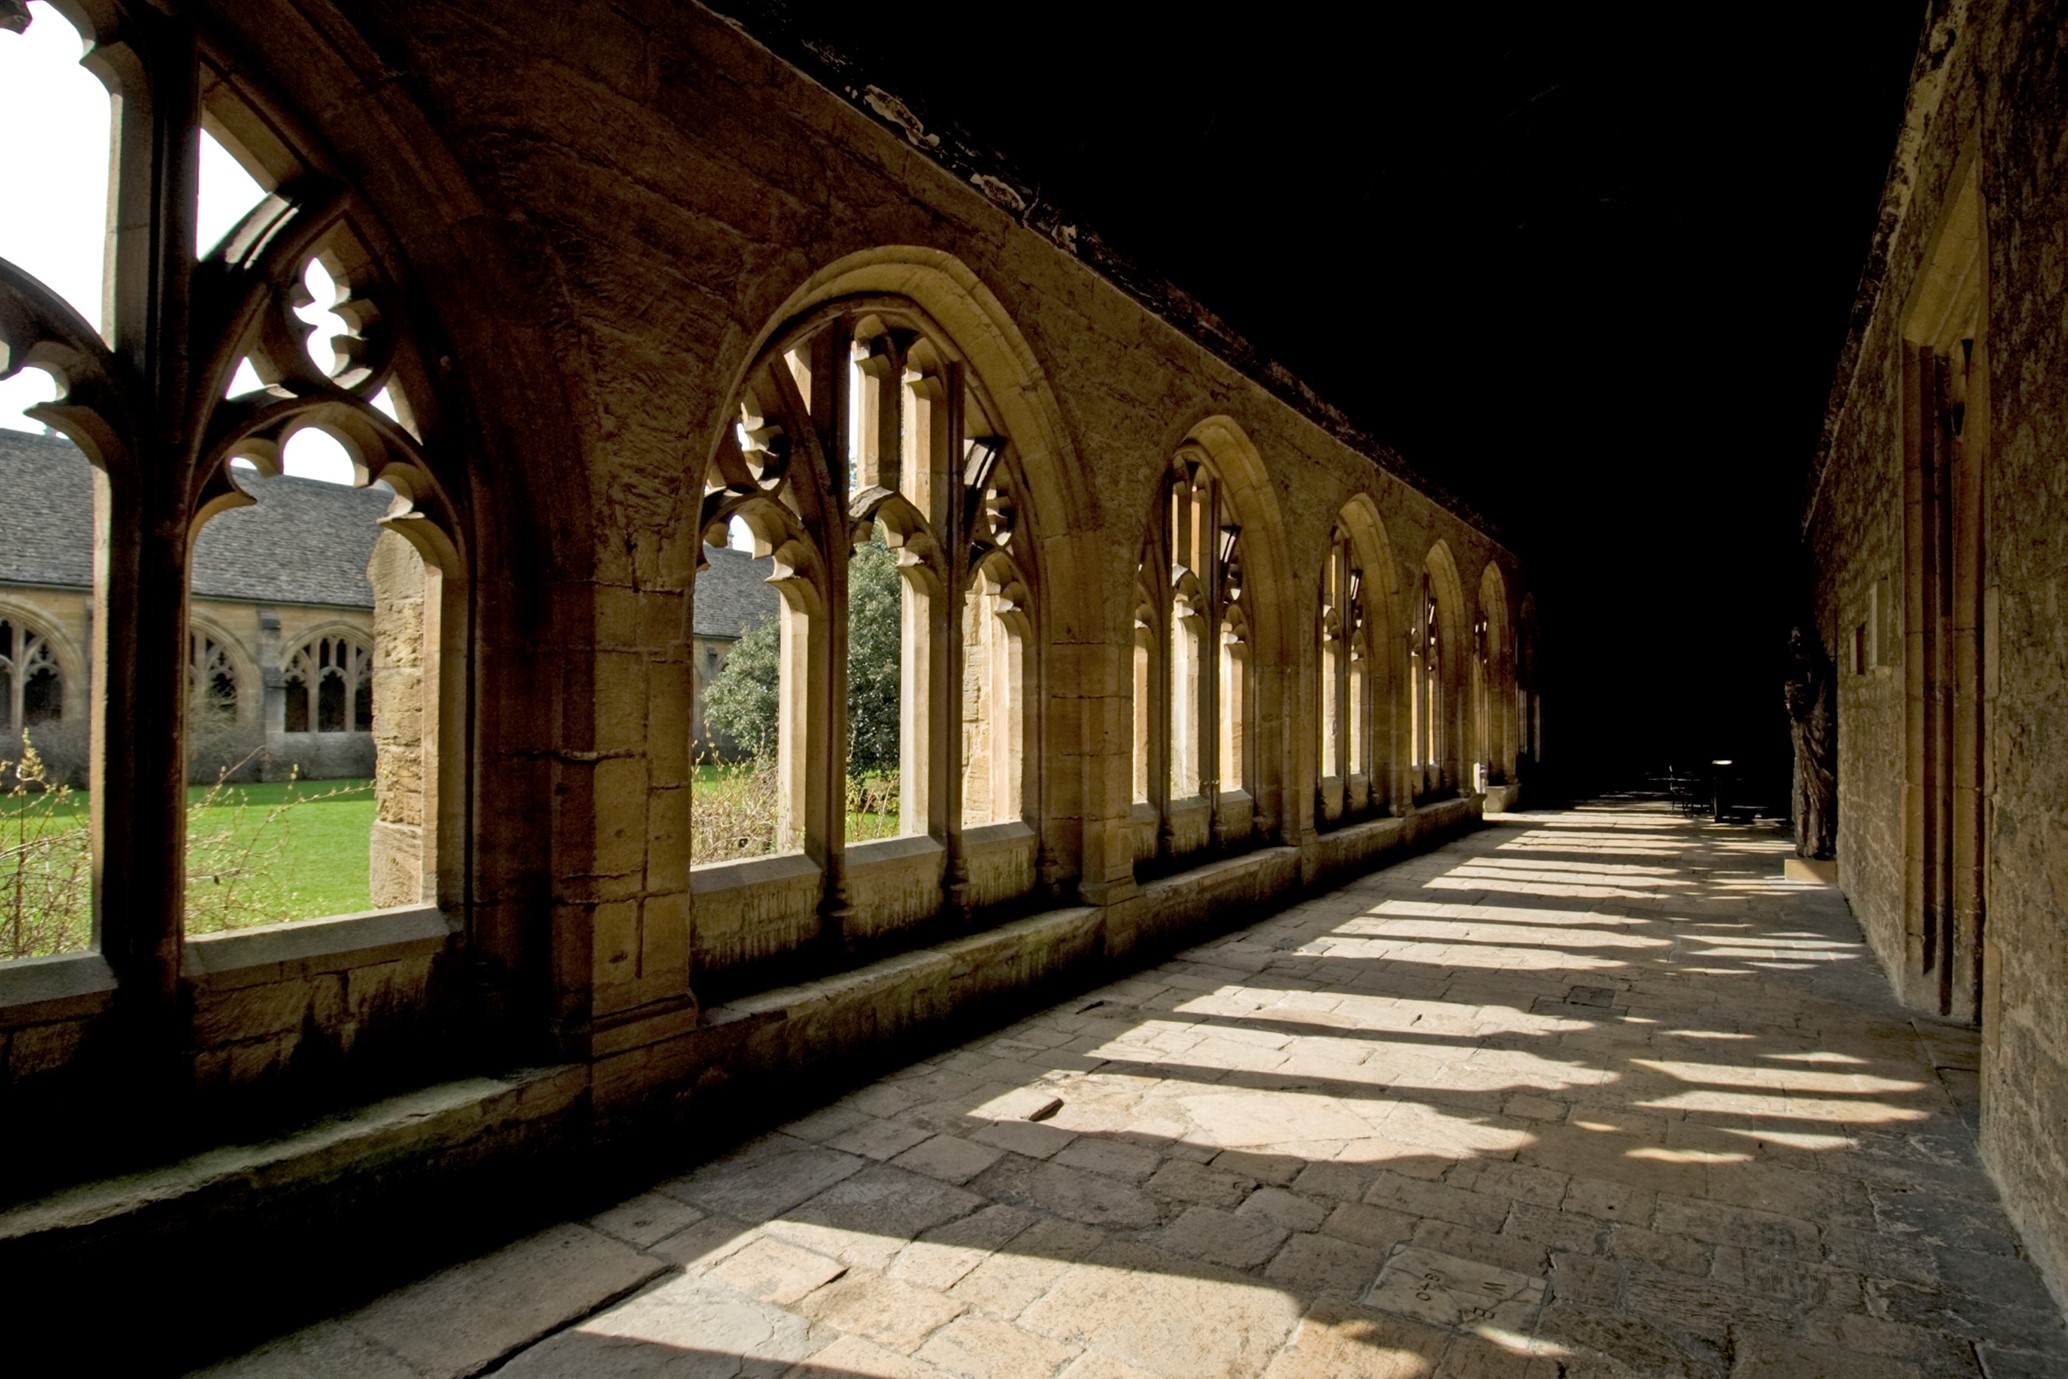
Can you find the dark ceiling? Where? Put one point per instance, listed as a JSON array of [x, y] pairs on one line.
[[1591, 270]]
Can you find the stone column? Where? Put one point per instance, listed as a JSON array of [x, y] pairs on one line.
[[401, 725]]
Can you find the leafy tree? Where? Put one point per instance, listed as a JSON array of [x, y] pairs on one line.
[[873, 656], [743, 702]]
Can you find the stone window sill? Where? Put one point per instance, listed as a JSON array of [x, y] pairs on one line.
[[279, 951], [64, 986]]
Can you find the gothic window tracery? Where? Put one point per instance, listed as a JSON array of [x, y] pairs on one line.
[[1426, 659], [32, 688], [1192, 654], [329, 686], [211, 679], [213, 354], [863, 426], [1345, 721]]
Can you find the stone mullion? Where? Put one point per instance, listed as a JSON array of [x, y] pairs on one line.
[[1325, 684], [880, 443], [1346, 712], [1208, 725], [1319, 740], [143, 520], [951, 511], [826, 733], [1162, 633]]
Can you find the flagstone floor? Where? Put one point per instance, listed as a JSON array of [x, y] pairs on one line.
[[1588, 1093]]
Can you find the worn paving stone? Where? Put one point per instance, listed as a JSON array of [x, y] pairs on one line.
[[646, 1219], [1445, 1290], [681, 1326], [1229, 1238], [1185, 1181], [949, 1158], [776, 1272], [980, 1348], [1375, 1228], [852, 1355], [877, 1139], [1338, 1340], [1322, 1264], [888, 1311], [1764, 1356], [1069, 1192], [332, 1349], [1294, 1212], [464, 1318], [764, 1179], [1205, 1323], [1398, 1130]]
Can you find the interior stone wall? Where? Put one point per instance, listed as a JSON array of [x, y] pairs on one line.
[[2025, 1025], [1990, 80], [605, 212], [679, 190]]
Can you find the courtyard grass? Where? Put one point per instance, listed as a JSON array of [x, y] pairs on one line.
[[735, 813], [284, 851], [256, 854]]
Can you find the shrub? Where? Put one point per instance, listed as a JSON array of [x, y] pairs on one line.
[[743, 705], [60, 747], [734, 810], [46, 860]]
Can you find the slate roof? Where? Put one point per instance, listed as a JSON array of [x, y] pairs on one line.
[[730, 595], [305, 542]]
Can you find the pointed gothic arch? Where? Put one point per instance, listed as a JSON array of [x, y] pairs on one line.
[[863, 420], [1211, 655], [1494, 712], [1439, 651], [1356, 670]]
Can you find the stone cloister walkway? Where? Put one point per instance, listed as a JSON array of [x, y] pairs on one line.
[[1585, 1093]]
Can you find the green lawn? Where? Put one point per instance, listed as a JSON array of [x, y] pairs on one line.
[[735, 815], [261, 854], [256, 854]]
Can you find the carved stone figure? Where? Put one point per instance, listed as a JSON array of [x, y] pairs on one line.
[[1812, 716]]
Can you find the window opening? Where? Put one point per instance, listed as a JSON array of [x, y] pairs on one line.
[[54, 230], [868, 467], [281, 392], [1192, 659]]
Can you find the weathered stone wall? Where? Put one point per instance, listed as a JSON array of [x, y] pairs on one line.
[[682, 192], [1991, 85], [603, 213], [395, 864]]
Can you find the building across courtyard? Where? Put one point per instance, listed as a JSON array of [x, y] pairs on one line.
[[280, 638]]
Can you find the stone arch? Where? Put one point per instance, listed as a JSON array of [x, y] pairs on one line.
[[1060, 564], [1447, 620], [1223, 663], [968, 315], [861, 413], [496, 393], [1267, 564], [70, 660], [357, 685], [1377, 688], [240, 659], [1494, 703]]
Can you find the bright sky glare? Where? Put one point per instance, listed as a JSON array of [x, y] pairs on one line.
[[53, 210]]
